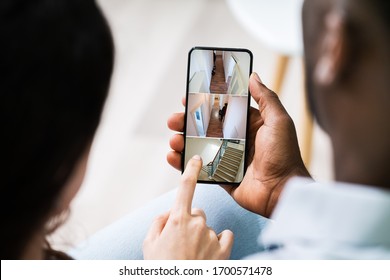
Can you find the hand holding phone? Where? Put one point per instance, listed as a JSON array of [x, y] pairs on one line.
[[273, 156], [216, 115]]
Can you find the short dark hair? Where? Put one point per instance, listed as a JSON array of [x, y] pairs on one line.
[[56, 61], [382, 9], [358, 13]]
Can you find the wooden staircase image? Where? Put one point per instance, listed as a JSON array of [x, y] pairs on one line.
[[227, 168]]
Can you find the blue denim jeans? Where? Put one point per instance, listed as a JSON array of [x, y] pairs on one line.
[[123, 239]]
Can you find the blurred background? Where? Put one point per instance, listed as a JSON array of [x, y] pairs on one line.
[[127, 166]]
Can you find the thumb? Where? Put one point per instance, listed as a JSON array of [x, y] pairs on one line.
[[226, 239], [270, 106]]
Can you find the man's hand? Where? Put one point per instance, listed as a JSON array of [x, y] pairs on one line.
[[274, 154], [182, 233]]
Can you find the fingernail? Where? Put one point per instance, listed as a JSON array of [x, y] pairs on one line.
[[256, 77], [197, 157]]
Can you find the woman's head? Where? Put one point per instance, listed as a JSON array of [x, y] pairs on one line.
[[56, 64]]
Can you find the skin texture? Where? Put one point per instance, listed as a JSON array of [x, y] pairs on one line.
[[274, 158], [347, 67], [182, 233], [347, 62]]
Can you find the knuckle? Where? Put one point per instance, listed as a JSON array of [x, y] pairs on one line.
[[176, 218], [198, 212], [199, 224], [202, 212], [213, 236], [159, 218], [284, 119]]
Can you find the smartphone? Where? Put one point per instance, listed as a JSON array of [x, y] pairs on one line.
[[216, 112]]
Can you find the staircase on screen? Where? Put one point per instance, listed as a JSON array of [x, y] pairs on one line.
[[227, 168]]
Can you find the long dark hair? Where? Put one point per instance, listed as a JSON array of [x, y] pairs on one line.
[[55, 68]]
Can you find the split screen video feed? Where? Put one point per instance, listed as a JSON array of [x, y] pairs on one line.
[[217, 104]]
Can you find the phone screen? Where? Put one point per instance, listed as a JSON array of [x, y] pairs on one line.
[[217, 105]]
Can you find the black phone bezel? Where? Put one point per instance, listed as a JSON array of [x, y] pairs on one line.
[[247, 117]]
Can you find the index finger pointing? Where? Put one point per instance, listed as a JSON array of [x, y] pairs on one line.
[[186, 190]]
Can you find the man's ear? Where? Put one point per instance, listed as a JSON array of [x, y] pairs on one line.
[[331, 59]]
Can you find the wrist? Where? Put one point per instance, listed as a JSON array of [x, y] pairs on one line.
[[278, 186]]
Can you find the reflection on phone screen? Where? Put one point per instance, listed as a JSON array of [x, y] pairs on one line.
[[217, 109]]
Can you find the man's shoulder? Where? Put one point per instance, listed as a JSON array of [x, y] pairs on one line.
[[331, 220]]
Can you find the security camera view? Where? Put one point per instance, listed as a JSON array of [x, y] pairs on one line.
[[217, 104]]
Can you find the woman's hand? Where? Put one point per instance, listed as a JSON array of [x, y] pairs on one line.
[[274, 154], [182, 233]]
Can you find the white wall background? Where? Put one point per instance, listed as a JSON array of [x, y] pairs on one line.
[[202, 61], [228, 64], [243, 60], [206, 111], [207, 148], [196, 100], [234, 124]]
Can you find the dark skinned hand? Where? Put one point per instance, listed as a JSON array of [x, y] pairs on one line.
[[274, 155]]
